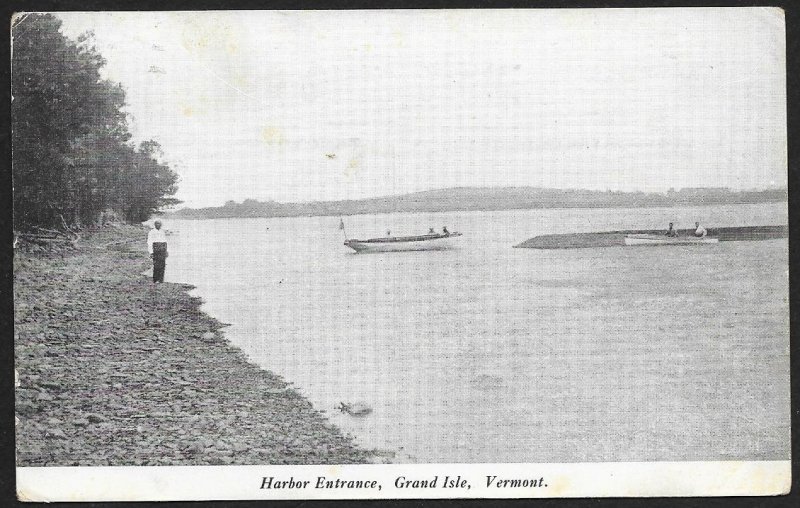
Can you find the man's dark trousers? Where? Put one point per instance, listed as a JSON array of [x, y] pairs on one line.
[[159, 260]]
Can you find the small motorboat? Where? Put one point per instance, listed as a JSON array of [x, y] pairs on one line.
[[431, 241], [645, 239]]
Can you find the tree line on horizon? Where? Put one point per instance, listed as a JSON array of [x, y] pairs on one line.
[[476, 198], [73, 159]]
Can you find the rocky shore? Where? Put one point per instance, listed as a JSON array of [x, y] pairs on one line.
[[116, 371]]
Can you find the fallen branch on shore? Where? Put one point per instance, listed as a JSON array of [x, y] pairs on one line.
[[49, 238]]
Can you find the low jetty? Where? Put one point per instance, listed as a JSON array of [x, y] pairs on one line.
[[617, 238], [114, 371]]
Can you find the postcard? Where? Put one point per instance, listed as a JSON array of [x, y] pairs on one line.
[[396, 254]]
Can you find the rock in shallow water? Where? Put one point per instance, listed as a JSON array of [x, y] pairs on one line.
[[355, 408]]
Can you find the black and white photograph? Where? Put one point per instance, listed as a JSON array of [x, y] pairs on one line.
[[384, 254]]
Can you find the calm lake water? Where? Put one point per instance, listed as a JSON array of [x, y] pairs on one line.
[[488, 353]]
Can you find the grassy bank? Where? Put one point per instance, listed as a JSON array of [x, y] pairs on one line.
[[116, 371]]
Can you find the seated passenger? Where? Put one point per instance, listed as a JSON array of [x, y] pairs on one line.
[[445, 231], [700, 231], [671, 232]]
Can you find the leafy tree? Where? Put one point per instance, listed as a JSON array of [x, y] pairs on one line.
[[72, 156], [146, 184]]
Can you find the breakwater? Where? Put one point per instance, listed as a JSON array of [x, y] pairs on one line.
[[617, 238]]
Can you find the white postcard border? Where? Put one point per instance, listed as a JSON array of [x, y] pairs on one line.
[[616, 479]]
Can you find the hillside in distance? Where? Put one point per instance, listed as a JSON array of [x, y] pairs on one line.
[[480, 198]]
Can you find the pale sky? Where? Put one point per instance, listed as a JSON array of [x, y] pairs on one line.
[[300, 106]]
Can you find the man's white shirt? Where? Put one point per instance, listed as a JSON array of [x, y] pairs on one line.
[[155, 235]]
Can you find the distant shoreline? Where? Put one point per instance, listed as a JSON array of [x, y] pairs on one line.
[[115, 371], [483, 199], [172, 216]]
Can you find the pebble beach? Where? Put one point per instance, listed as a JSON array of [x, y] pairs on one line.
[[115, 371]]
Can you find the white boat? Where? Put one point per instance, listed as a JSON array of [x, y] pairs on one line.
[[436, 241], [644, 239]]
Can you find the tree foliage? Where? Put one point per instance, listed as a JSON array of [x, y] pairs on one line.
[[72, 152]]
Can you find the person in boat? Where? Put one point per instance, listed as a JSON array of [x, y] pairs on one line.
[[388, 232], [700, 231], [157, 247], [445, 231], [431, 231], [671, 232]]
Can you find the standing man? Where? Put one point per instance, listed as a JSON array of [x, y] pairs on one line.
[[157, 247]]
